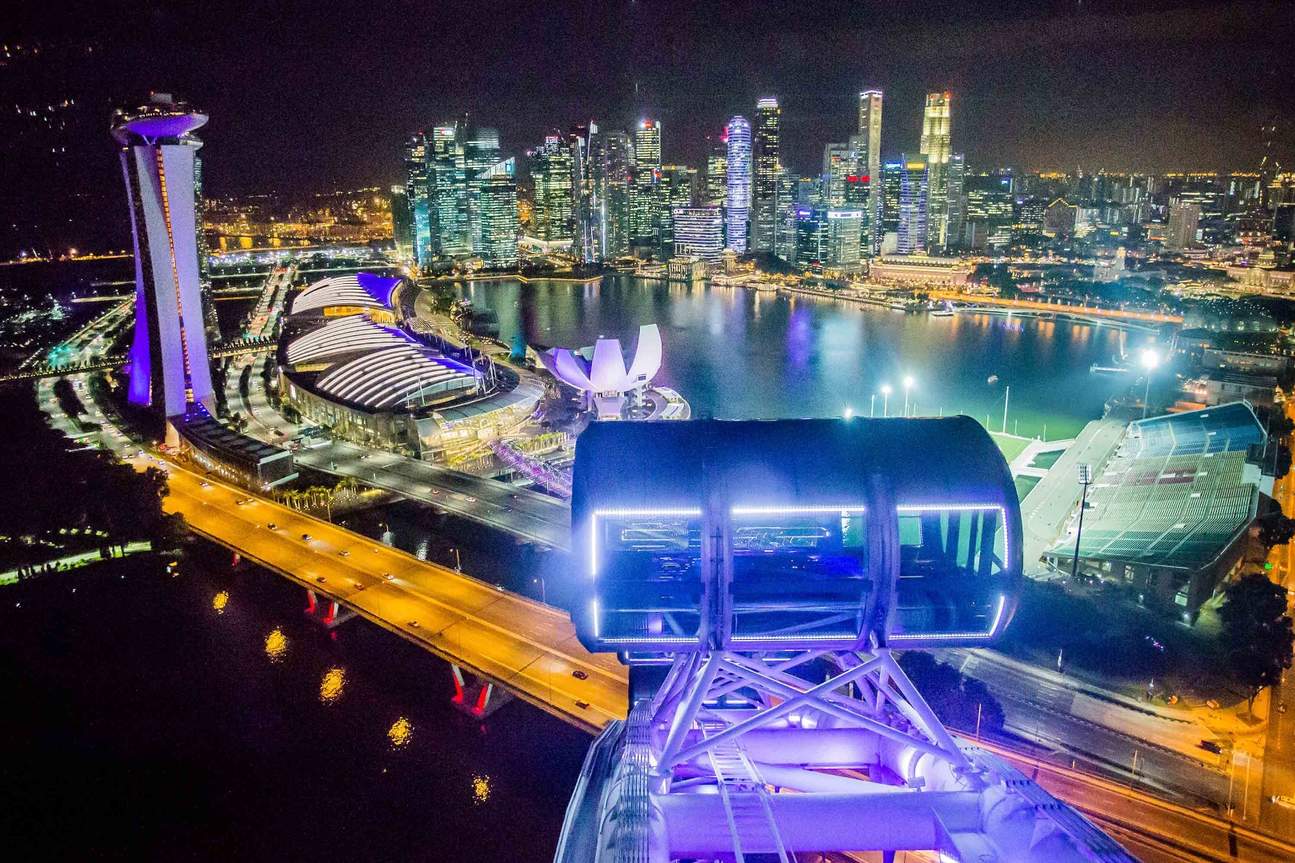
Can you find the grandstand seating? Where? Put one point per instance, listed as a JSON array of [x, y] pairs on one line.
[[1176, 493]]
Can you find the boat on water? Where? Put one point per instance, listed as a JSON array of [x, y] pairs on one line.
[[942, 312]]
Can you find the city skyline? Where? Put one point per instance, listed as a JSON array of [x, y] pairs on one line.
[[1092, 85]]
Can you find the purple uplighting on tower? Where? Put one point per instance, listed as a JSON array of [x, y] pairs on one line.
[[168, 364]]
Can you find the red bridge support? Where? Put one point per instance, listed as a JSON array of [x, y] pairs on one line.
[[329, 613], [476, 697]]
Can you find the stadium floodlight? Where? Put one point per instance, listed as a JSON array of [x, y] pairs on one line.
[[1150, 359], [1085, 480], [885, 400], [908, 385]]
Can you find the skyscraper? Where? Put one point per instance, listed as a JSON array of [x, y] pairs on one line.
[[498, 212], [868, 148], [611, 159], [168, 363], [674, 189], [765, 189], [737, 213], [584, 215], [552, 170], [480, 154], [935, 149], [717, 173], [644, 203], [699, 231], [839, 161], [955, 175], [1183, 221], [447, 185], [416, 190], [913, 206]]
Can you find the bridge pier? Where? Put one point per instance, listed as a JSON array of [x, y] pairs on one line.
[[329, 613], [476, 697]]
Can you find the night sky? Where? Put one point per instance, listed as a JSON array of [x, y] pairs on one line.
[[319, 95]]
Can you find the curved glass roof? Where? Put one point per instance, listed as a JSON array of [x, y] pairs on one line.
[[343, 336], [396, 377], [358, 289]]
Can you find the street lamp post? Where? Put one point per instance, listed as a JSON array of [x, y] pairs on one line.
[[1150, 359], [872, 406], [1085, 480], [908, 385], [885, 400]]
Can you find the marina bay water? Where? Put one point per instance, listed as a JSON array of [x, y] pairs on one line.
[[739, 354]]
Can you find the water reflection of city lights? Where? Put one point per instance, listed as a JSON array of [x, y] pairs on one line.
[[400, 732], [276, 645], [480, 789], [219, 601], [330, 688]]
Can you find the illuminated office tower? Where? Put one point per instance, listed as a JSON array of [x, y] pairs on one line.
[[447, 184], [644, 203], [552, 170], [416, 190], [611, 158], [839, 161], [498, 212], [584, 244], [737, 212], [767, 175], [717, 173], [674, 189], [168, 363], [480, 154], [913, 206], [699, 232], [810, 247], [402, 222], [868, 148], [935, 148], [955, 175], [1183, 221], [844, 231]]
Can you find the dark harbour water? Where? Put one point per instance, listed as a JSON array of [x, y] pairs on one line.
[[738, 354], [203, 717]]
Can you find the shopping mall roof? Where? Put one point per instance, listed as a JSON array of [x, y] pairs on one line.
[[361, 290], [404, 376], [342, 336]]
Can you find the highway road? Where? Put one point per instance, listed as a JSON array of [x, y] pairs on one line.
[[1059, 714], [520, 512], [1279, 746], [528, 647]]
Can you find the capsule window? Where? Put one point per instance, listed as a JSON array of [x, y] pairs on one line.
[[647, 570], [950, 572], [799, 573]]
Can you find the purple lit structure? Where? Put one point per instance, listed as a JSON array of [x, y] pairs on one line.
[[167, 363], [756, 576], [600, 373]]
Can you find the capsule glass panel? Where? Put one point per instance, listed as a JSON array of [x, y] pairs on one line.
[[952, 573], [799, 574], [647, 571]]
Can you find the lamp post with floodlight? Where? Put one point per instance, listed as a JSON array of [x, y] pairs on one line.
[[1085, 480], [1150, 359], [885, 400], [908, 385]]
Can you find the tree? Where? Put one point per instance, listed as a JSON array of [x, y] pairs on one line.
[[1257, 633], [1276, 529]]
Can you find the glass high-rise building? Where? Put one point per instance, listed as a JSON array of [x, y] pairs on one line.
[[644, 197], [481, 153], [839, 161], [955, 175], [767, 175], [447, 184], [552, 169], [717, 173], [584, 221], [699, 232], [674, 189], [416, 190], [168, 364], [497, 192], [913, 206], [936, 150], [611, 163], [737, 212], [868, 148]]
